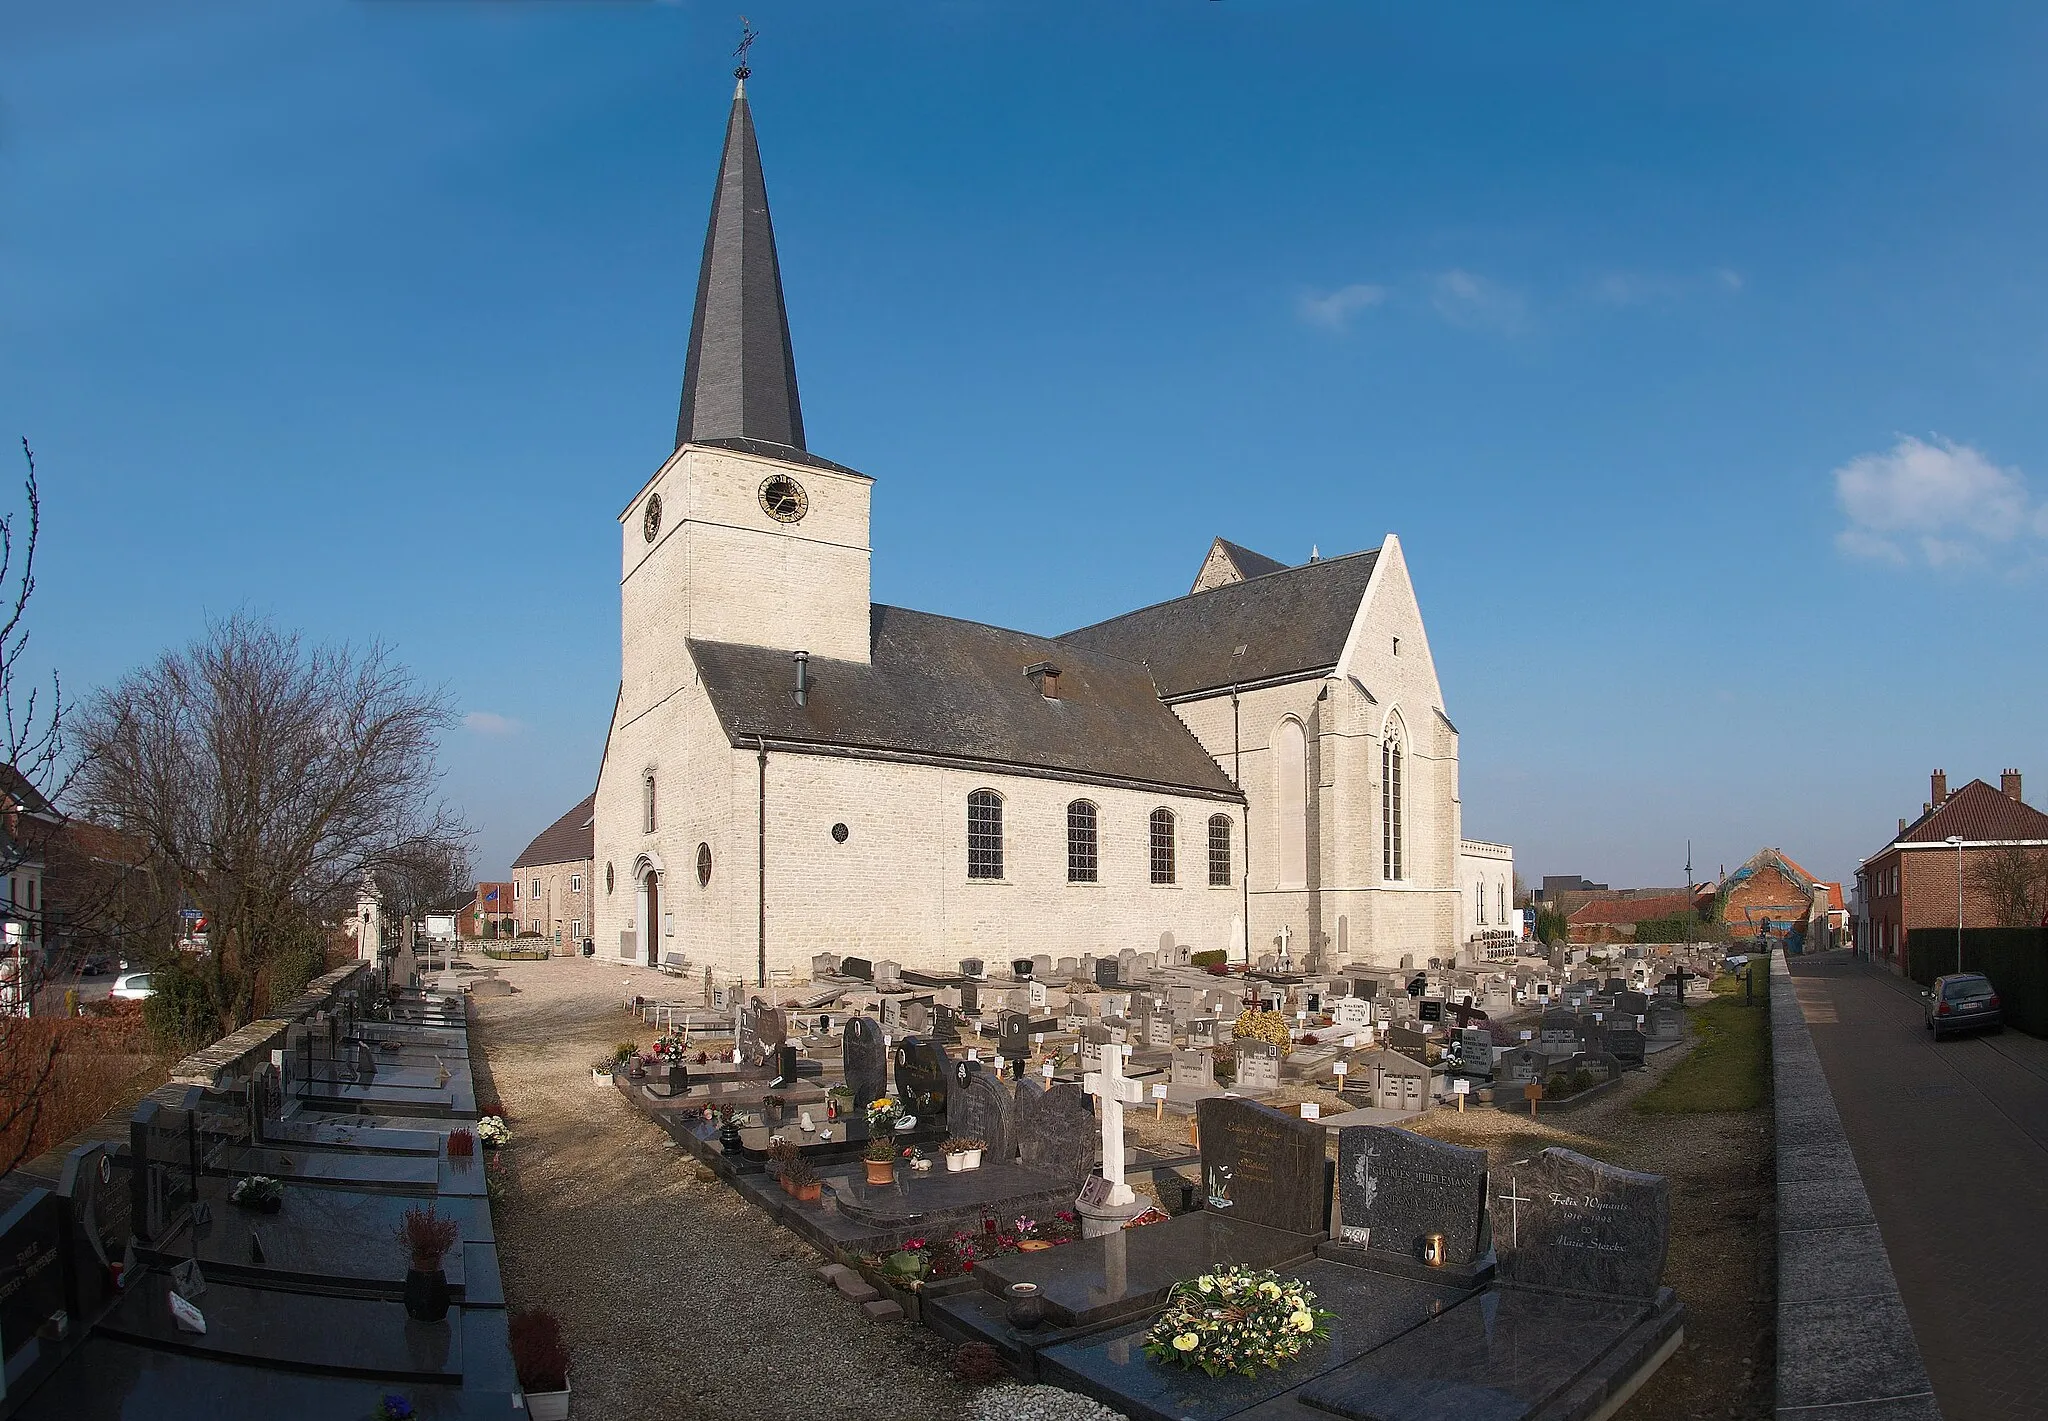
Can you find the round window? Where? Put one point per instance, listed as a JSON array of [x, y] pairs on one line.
[[703, 865], [838, 833], [607, 878]]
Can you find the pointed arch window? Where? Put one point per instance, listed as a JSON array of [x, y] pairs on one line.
[[1290, 799], [1219, 851], [1393, 766], [1479, 901], [1162, 845], [984, 834], [647, 803], [1082, 846]]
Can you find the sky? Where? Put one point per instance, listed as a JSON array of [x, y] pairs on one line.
[[1696, 352]]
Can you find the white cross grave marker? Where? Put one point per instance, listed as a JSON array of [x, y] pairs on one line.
[[1515, 1199], [1114, 1089]]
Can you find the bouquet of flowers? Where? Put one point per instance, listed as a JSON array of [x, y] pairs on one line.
[[1237, 1320], [256, 1191], [493, 1131], [883, 1113], [672, 1049]]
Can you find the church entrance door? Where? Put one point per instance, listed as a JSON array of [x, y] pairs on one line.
[[653, 918]]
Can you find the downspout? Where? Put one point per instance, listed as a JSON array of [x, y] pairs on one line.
[[1237, 775], [761, 847]]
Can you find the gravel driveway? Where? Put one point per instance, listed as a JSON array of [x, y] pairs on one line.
[[678, 1299]]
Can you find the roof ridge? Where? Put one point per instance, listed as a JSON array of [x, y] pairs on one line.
[[1225, 587]]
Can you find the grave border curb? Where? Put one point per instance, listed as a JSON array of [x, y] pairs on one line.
[[1817, 1370]]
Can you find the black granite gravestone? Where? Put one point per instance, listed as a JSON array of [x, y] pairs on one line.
[[32, 1273], [865, 1060], [1013, 1035], [1106, 971], [1021, 968], [1568, 1222], [1627, 1045], [1056, 1131], [956, 1093], [984, 1110], [921, 1079], [1262, 1166], [1395, 1189], [783, 1061], [945, 1026], [858, 967]]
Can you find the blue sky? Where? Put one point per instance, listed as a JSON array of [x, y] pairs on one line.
[[1696, 353]]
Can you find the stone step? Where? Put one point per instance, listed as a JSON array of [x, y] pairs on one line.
[[831, 1273], [854, 1289], [881, 1311]]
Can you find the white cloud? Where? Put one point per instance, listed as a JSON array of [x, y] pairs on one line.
[[484, 722], [1729, 277], [1941, 502], [1465, 299], [1334, 309]]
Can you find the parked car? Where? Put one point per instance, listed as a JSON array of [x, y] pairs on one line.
[[1963, 1001], [132, 987], [94, 966]]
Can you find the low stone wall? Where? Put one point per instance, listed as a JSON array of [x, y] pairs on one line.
[[231, 1055], [1845, 1345]]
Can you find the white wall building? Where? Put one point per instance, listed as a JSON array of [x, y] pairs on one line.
[[793, 769]]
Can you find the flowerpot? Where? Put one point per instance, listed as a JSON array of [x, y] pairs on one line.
[[1033, 1245], [808, 1193], [973, 1158], [785, 1187], [1024, 1307], [881, 1171], [955, 1163], [729, 1136], [549, 1405], [426, 1294]]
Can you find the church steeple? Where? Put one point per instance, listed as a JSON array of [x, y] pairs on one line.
[[739, 380]]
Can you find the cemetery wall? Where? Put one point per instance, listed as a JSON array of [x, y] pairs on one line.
[[2015, 959], [1839, 1309]]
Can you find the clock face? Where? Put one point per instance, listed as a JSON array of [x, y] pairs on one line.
[[784, 499], [650, 524]]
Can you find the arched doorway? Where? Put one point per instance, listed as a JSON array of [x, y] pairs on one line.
[[649, 906]]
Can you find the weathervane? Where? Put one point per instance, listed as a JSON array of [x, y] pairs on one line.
[[747, 37]]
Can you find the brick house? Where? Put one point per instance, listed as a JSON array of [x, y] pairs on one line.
[[1771, 889], [551, 881], [1911, 881], [1614, 918], [493, 904]]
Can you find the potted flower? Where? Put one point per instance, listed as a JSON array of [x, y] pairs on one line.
[[882, 1115], [426, 1236], [258, 1193], [781, 1156], [461, 1145], [1027, 1235], [879, 1154], [963, 1152], [801, 1180], [773, 1107], [493, 1131], [541, 1359]]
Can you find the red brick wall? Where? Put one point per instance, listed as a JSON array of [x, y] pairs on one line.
[[1929, 879], [1765, 893]]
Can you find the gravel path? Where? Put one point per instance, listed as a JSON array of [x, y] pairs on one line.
[[678, 1299]]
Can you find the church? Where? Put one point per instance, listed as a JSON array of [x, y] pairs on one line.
[[1263, 765]]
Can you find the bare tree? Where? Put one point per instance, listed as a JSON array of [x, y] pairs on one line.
[[2012, 880], [267, 778]]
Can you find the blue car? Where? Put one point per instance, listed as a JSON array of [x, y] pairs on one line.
[[1963, 1001]]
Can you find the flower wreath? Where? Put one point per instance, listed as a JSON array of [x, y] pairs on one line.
[[1237, 1320]]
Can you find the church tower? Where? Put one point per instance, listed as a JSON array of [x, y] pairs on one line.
[[743, 535]]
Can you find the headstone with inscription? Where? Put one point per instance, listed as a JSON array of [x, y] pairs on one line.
[[1263, 1166], [1395, 1189], [1056, 1131], [921, 1078], [1258, 1066], [865, 1060], [1193, 1067], [1568, 1222]]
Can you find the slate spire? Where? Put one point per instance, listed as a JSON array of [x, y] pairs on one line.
[[739, 380]]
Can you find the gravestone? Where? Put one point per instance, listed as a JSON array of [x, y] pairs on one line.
[[31, 1268], [865, 1061], [782, 1060], [1521, 1065], [984, 1110], [1475, 1051], [1263, 1166], [1159, 1030], [95, 1191], [858, 967], [1021, 969], [1202, 1031], [1056, 1131], [1013, 1035], [921, 1078], [824, 964], [1063, 970], [1394, 1189], [916, 1016], [945, 1026], [888, 976], [1105, 971], [970, 967], [1568, 1222], [1667, 1021], [1094, 1036], [970, 998], [1041, 966], [1409, 1042], [1193, 1067], [1627, 1045], [1630, 1005], [1258, 1066], [1560, 1032]]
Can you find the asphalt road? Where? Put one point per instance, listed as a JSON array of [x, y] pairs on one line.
[[1952, 1142]]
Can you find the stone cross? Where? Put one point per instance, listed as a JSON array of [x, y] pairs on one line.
[[1515, 1199], [1115, 1090]]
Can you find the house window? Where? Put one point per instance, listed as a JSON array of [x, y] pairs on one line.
[[515, 890], [1219, 851], [575, 883], [533, 926], [535, 894], [576, 929], [984, 834], [647, 803], [1162, 846], [1392, 756], [1082, 860]]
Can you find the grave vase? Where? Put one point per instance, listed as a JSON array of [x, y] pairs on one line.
[[1024, 1306], [549, 1405], [426, 1290], [971, 1159]]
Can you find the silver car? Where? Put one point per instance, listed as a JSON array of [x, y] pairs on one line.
[[132, 987], [1963, 1001]]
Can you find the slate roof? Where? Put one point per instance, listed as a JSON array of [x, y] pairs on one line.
[[949, 691], [1290, 622], [1979, 812], [569, 839], [739, 377]]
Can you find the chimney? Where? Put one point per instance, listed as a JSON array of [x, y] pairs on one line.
[[2009, 782], [803, 677], [1047, 677], [1940, 788]]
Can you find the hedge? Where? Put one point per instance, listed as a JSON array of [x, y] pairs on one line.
[[2015, 959], [1213, 957]]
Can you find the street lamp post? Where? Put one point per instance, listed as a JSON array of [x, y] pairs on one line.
[[1956, 842]]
